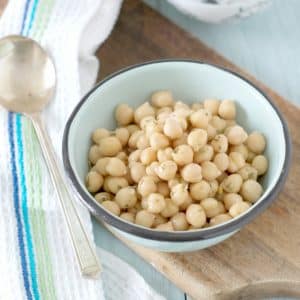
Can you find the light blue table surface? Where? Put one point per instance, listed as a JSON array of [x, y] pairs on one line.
[[268, 46]]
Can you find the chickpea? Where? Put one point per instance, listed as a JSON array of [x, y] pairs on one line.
[[101, 165], [109, 146], [126, 197], [151, 171], [219, 219], [132, 142], [122, 156], [211, 132], [250, 157], [163, 188], [113, 184], [260, 163], [142, 142], [143, 111], [236, 135], [103, 196], [152, 128], [181, 141], [156, 203], [212, 105], [218, 123], [233, 183], [182, 121], [221, 160], [200, 118], [132, 128], [146, 186], [164, 154], [236, 161], [166, 170], [191, 173], [94, 181], [116, 167], [197, 106], [230, 199], [144, 218], [206, 153], [227, 110], [112, 207], [214, 186], [256, 142], [179, 222], [149, 120], [162, 117], [122, 134], [179, 193], [162, 99], [134, 156], [158, 220], [94, 154], [197, 139], [211, 207], [158, 141], [124, 114], [251, 190], [248, 172], [137, 171], [183, 155], [220, 143], [241, 149], [185, 204], [238, 208], [170, 208], [176, 180], [210, 171], [163, 110], [127, 216], [98, 134], [148, 156], [184, 108], [195, 215], [200, 190], [165, 227], [172, 128]]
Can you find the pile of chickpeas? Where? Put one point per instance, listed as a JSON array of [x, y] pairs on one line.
[[172, 167]]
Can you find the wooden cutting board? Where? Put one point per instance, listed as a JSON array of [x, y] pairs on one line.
[[263, 259]]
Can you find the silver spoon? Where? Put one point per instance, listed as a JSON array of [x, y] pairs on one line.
[[27, 84]]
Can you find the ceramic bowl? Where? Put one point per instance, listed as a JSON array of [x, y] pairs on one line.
[[190, 81]]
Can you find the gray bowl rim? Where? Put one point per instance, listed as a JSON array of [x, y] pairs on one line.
[[180, 236]]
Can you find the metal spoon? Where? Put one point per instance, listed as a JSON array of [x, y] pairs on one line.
[[27, 84]]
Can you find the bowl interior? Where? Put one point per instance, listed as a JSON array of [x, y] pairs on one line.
[[189, 82]]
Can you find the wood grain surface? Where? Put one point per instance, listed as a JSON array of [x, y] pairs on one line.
[[263, 259]]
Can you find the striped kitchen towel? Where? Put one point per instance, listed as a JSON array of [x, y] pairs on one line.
[[36, 257]]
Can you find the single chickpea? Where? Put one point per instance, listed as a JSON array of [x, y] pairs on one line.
[[230, 199], [137, 171], [166, 170], [163, 188], [179, 222], [162, 117], [103, 196], [236, 135], [156, 203], [101, 165], [158, 141], [251, 190], [211, 207], [116, 167], [212, 105], [134, 156], [148, 156], [165, 227], [123, 156], [248, 172], [221, 160], [94, 154], [218, 123], [127, 216], [158, 220], [214, 186], [149, 120], [206, 153], [256, 142], [146, 186], [197, 106], [172, 128], [197, 138], [124, 114], [200, 190], [238, 208], [241, 149], [122, 134], [94, 181], [112, 207], [183, 155], [181, 141], [126, 197], [211, 132], [144, 218], [210, 171], [99, 134], [170, 209], [260, 163], [195, 215], [200, 118], [183, 107], [142, 142], [113, 184], [132, 142], [227, 110], [143, 111], [164, 154], [236, 162], [220, 143], [179, 193], [110, 146], [219, 219], [191, 173], [233, 183], [162, 99]]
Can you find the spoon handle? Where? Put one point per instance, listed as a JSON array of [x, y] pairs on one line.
[[86, 256]]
